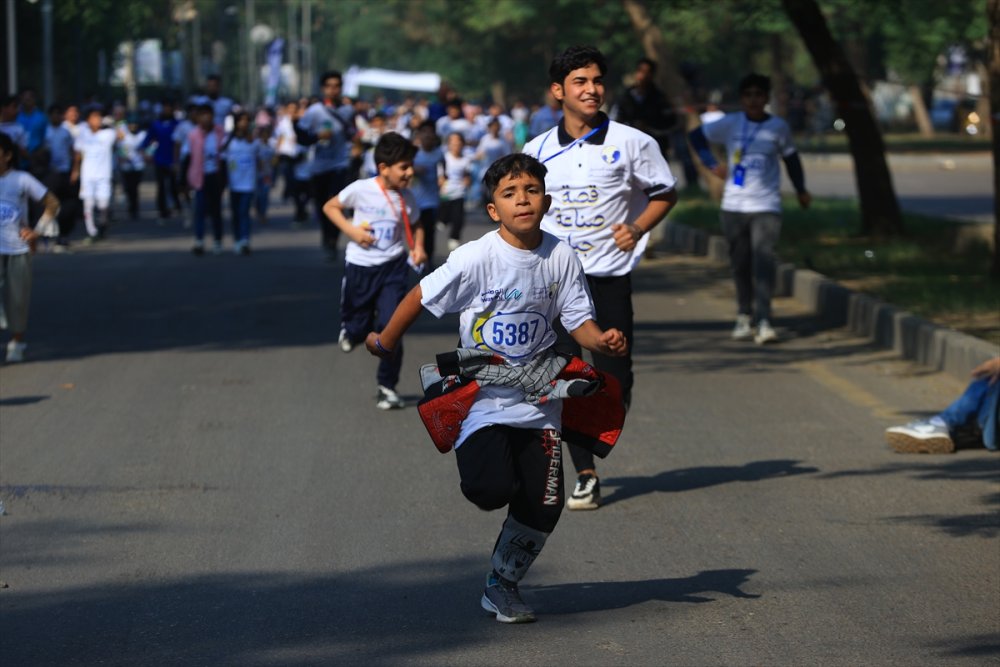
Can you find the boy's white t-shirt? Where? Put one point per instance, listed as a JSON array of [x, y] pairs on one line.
[[456, 170], [241, 163], [385, 221], [509, 300], [130, 158], [765, 143], [16, 187], [97, 152], [594, 184]]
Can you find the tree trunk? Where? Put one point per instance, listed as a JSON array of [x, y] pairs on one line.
[[655, 47], [920, 115], [779, 91], [880, 213], [993, 20]]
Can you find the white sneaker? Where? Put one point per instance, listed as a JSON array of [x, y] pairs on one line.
[[387, 399], [929, 436], [15, 351], [765, 333], [586, 495], [453, 244], [345, 343], [743, 329]]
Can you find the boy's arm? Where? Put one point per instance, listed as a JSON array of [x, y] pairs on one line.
[[74, 174], [406, 313], [418, 255], [611, 342], [334, 210], [627, 236]]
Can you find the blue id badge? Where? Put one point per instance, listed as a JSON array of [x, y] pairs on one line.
[[739, 174]]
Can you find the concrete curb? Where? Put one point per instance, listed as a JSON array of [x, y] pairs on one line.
[[835, 306]]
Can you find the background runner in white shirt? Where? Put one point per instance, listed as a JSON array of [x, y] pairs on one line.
[[93, 168]]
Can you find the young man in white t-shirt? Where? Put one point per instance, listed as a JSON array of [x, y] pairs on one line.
[[610, 185], [510, 288], [751, 200], [17, 242], [93, 168], [383, 242]]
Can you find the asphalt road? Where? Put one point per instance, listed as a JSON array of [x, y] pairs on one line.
[[195, 474]]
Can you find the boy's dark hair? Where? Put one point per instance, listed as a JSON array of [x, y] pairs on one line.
[[205, 108], [91, 110], [754, 80], [454, 103], [393, 148], [56, 108], [648, 62], [573, 58], [512, 165], [331, 74], [214, 77], [7, 144]]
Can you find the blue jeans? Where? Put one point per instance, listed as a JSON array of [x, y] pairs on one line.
[[979, 402], [240, 202]]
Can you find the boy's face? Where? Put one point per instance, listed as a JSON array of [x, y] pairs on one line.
[[94, 121], [55, 117], [519, 203], [396, 176], [753, 100], [456, 144], [581, 92]]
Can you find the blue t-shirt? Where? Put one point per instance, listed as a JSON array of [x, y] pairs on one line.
[[425, 180], [161, 132], [34, 124]]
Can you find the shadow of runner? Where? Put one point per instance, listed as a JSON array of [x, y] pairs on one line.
[[602, 596], [688, 479]]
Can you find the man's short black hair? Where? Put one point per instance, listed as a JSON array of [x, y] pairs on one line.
[[573, 58], [649, 62], [214, 77], [7, 145], [512, 165], [754, 80], [331, 74], [56, 108], [392, 148]]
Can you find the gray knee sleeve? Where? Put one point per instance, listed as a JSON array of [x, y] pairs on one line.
[[516, 549]]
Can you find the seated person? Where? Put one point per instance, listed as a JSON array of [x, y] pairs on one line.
[[976, 407]]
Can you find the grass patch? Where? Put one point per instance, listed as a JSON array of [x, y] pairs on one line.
[[919, 271], [899, 143]]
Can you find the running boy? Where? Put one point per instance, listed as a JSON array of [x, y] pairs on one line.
[[92, 167], [510, 287], [17, 242], [375, 277], [611, 186]]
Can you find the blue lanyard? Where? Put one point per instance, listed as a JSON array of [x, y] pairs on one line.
[[746, 141], [572, 143]]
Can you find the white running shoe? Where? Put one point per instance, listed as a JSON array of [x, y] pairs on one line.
[[345, 343], [743, 329], [765, 333], [15, 351], [926, 436], [387, 399], [586, 495]]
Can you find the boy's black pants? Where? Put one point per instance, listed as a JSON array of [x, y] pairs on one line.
[[521, 468], [612, 297]]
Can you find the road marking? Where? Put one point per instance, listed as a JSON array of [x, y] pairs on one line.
[[848, 390]]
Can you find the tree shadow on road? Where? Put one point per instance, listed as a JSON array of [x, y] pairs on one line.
[[969, 646], [602, 596], [689, 479], [983, 469], [384, 615]]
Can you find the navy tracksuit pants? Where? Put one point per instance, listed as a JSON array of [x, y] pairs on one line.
[[368, 297]]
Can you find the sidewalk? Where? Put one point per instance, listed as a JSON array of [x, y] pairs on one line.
[[836, 306]]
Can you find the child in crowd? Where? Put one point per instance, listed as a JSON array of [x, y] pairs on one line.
[[242, 155], [492, 147], [265, 175], [510, 286], [93, 169], [454, 181], [131, 163], [17, 243], [204, 175], [375, 275], [425, 183], [301, 184]]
